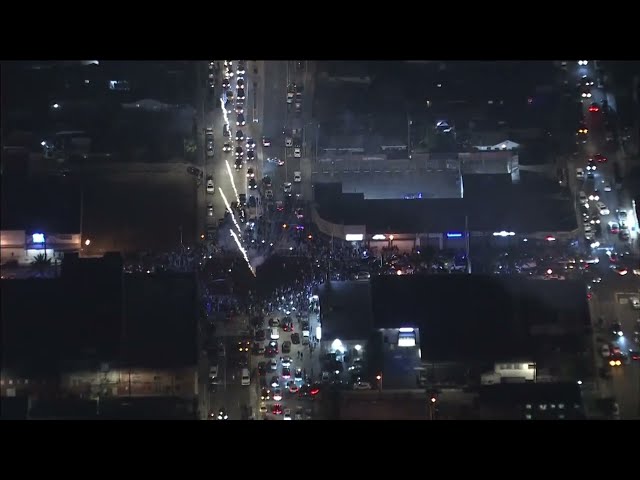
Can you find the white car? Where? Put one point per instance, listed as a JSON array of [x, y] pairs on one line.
[[297, 152], [289, 97], [602, 208], [287, 414], [263, 407], [580, 173], [288, 142], [226, 147], [286, 361], [275, 334], [273, 365], [277, 394], [607, 187], [210, 186], [210, 209], [297, 177], [582, 197], [287, 187], [635, 303]]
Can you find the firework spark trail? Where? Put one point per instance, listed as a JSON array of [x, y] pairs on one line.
[[226, 204], [233, 183], [224, 111], [243, 251]]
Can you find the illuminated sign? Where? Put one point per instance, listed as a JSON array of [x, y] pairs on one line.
[[455, 235], [37, 238], [503, 234], [378, 236], [354, 237]]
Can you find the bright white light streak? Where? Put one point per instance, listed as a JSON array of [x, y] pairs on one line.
[[224, 112], [233, 183], [244, 252], [226, 204]]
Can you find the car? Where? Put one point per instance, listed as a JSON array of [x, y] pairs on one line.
[[624, 233], [257, 348], [240, 69], [607, 187], [622, 216], [266, 142], [251, 143], [287, 187], [253, 184], [276, 409], [288, 142], [210, 186], [360, 385], [620, 270], [600, 158], [286, 346], [268, 194], [239, 136], [251, 155], [290, 96], [273, 345], [602, 208], [244, 345], [277, 394], [585, 92], [280, 206], [225, 84], [299, 212], [591, 167], [240, 93], [210, 149], [287, 414], [263, 407], [265, 394], [297, 177], [613, 227], [292, 387], [262, 368], [267, 181], [213, 373], [580, 173], [228, 106], [250, 173], [210, 209], [594, 196], [305, 329], [273, 365], [287, 324], [225, 130], [616, 330], [238, 163], [635, 303], [582, 198], [229, 95], [222, 414], [286, 372], [286, 361], [295, 339], [260, 335], [240, 121], [240, 83], [593, 108], [239, 151], [229, 70], [242, 200], [226, 147], [613, 256], [297, 376], [298, 415], [252, 200], [274, 322], [590, 174], [297, 152], [275, 382]]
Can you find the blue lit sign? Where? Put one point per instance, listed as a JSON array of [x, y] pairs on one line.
[[37, 238], [455, 235]]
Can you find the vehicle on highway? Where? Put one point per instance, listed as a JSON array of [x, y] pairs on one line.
[[229, 95], [266, 142], [591, 174], [594, 196], [210, 186], [238, 163], [287, 187], [229, 71], [213, 373], [210, 209], [297, 177], [297, 152], [616, 330], [240, 121], [288, 142], [624, 234], [225, 84], [251, 143], [275, 333], [286, 361], [297, 376], [607, 187], [239, 136], [635, 303], [226, 147], [246, 377], [305, 329], [239, 108], [287, 414], [210, 149], [253, 185], [228, 106], [250, 173], [274, 322], [268, 194], [360, 385], [290, 96], [275, 382], [252, 200], [602, 208], [240, 83], [240, 93], [273, 346], [273, 364], [286, 345], [292, 387], [244, 345], [251, 155], [599, 158], [613, 227], [222, 414], [265, 394], [262, 367], [267, 181], [580, 173], [276, 409], [263, 407], [241, 68], [622, 216], [260, 335], [279, 204], [287, 324], [239, 151], [299, 212], [225, 130], [277, 394], [295, 339], [286, 372], [298, 415]]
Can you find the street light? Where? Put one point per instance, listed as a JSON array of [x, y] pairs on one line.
[[379, 379], [87, 242]]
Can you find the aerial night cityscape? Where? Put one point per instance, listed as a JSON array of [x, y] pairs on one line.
[[320, 240]]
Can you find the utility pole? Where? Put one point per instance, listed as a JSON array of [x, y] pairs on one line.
[[409, 123]]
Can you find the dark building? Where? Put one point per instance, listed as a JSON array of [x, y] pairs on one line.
[[95, 330]]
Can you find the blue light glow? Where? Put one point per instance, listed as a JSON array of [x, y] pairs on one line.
[[37, 238], [454, 235]]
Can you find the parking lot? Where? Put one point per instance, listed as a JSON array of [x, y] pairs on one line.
[[138, 212]]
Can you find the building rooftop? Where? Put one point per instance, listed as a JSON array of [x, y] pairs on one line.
[[346, 310], [532, 206]]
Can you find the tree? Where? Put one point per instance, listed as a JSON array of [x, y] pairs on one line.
[[41, 263]]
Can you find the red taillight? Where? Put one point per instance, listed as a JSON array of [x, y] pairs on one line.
[[314, 391]]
